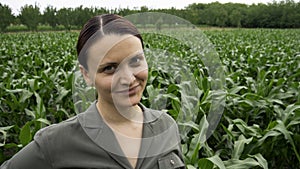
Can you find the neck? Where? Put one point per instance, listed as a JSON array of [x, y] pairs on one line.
[[119, 114]]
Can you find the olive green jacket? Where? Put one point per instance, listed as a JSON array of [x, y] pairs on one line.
[[86, 142]]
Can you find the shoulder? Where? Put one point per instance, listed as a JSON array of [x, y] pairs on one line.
[[58, 130], [158, 116], [160, 121], [71, 130]]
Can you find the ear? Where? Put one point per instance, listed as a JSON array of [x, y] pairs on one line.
[[86, 76]]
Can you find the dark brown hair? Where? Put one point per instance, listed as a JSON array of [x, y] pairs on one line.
[[100, 26]]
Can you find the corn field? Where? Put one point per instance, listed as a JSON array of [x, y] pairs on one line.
[[260, 122]]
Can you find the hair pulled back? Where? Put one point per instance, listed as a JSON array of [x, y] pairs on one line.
[[102, 25]]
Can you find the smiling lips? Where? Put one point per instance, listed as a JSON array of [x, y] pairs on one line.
[[131, 91]]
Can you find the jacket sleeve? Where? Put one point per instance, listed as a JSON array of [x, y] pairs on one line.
[[31, 156]]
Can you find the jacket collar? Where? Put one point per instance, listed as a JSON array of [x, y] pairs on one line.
[[101, 134], [91, 118]]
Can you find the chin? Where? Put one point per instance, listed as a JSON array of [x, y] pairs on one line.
[[127, 102]]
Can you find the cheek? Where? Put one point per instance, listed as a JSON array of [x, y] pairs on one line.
[[103, 84]]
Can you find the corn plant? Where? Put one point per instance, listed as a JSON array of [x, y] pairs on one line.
[[258, 77]]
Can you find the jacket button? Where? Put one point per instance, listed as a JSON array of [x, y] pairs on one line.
[[172, 162]]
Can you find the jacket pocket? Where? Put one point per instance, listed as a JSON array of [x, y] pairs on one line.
[[169, 161]]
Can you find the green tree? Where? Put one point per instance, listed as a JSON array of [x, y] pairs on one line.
[[6, 17], [99, 11], [49, 16], [221, 17], [235, 18], [64, 16], [291, 14], [215, 14], [81, 16], [253, 16], [125, 12], [30, 16], [195, 13]]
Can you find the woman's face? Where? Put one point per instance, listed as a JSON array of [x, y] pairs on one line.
[[118, 69]]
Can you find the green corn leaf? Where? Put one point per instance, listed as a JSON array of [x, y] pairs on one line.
[[261, 160], [25, 134], [62, 93], [295, 121], [33, 83], [239, 146], [241, 164], [3, 130], [25, 95], [189, 124], [247, 130], [217, 161], [30, 113], [40, 109], [236, 89], [190, 167], [281, 128], [198, 140], [289, 111], [270, 133], [287, 135], [203, 126], [45, 121], [205, 164]]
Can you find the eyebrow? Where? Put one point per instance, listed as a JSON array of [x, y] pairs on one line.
[[136, 54]]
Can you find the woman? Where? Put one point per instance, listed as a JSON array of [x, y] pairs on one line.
[[116, 131]]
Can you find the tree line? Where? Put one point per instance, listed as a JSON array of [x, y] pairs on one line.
[[283, 14]]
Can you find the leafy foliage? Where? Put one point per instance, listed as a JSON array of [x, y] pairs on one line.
[[5, 17], [49, 16], [260, 123], [278, 14], [30, 16]]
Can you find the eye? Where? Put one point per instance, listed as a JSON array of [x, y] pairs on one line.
[[135, 61], [109, 69]]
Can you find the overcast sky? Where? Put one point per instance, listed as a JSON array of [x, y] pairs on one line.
[[16, 5]]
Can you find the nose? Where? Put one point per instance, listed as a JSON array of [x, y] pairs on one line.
[[126, 76]]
